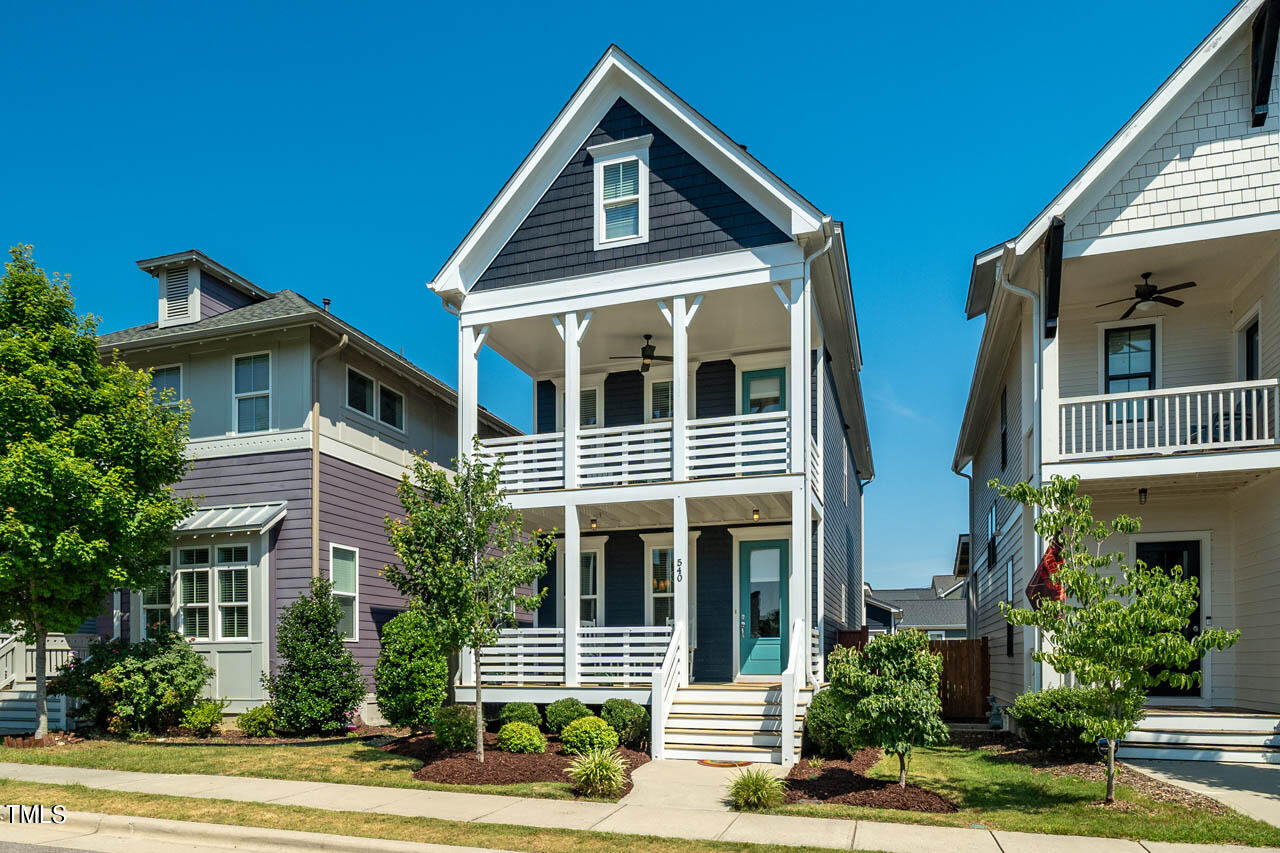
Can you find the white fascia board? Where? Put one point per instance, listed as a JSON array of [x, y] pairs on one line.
[[1180, 465], [615, 76], [1151, 120], [1176, 235]]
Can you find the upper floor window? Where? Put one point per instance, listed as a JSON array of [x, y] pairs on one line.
[[390, 407], [359, 392], [621, 181], [588, 407], [591, 604], [1004, 428], [253, 392], [764, 391], [991, 538], [165, 380], [1252, 352], [1130, 356], [660, 400]]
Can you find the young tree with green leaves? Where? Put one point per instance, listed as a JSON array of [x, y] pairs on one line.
[[1121, 629], [87, 456], [464, 554], [888, 694]]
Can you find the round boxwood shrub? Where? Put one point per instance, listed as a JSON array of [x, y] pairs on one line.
[[629, 719], [586, 734], [828, 727], [562, 712], [257, 722], [521, 737], [520, 712], [412, 674], [456, 727]]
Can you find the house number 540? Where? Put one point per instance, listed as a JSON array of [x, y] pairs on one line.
[[679, 570]]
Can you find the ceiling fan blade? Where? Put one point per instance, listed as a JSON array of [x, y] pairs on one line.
[[1130, 310], [661, 358], [644, 366], [1176, 303], [1183, 286], [624, 356], [1114, 301]]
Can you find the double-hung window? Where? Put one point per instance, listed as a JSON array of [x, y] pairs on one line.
[[253, 393], [233, 592], [192, 581], [660, 407], [166, 384], [621, 177], [1130, 362], [344, 572], [156, 604]]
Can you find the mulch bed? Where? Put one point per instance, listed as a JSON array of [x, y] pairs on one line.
[[845, 782], [459, 767]]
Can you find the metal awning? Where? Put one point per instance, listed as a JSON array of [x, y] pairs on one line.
[[233, 518]]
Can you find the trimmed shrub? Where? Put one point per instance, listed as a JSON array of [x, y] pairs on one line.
[[629, 719], [1053, 720], [412, 674], [756, 789], [520, 712], [204, 718], [587, 733], [599, 773], [828, 726], [562, 712], [456, 727], [257, 722], [317, 687], [521, 737], [135, 687]]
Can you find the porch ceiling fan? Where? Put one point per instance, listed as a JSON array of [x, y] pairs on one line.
[[646, 356], [1148, 292]]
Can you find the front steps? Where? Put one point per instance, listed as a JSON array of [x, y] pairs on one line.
[[731, 722], [1237, 737]]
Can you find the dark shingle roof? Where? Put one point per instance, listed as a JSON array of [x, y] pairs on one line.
[[281, 305], [934, 613]]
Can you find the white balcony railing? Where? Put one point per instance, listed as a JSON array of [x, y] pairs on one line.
[[1170, 420], [535, 657], [618, 456], [739, 445], [815, 466], [523, 656], [529, 462]]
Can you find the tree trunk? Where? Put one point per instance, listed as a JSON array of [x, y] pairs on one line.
[[1111, 771], [42, 697], [451, 691], [902, 770], [479, 710]]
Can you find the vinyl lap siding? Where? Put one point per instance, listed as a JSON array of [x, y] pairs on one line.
[[713, 659], [691, 213], [624, 398], [1257, 596], [715, 394], [842, 521]]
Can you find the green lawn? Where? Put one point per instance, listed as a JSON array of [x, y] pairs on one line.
[[349, 761], [1004, 795]]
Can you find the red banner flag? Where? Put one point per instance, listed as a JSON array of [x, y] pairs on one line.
[[1042, 584]]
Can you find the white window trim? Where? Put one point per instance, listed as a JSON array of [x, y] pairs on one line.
[[1237, 335], [592, 545], [404, 407], [181, 382], [780, 360], [236, 398], [1158, 355], [175, 596], [636, 148], [346, 394], [355, 605], [586, 382], [655, 541], [658, 374], [215, 593], [169, 608]]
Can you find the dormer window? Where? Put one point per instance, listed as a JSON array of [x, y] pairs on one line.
[[621, 172]]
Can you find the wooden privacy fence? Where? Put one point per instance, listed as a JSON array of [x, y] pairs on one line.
[[966, 672]]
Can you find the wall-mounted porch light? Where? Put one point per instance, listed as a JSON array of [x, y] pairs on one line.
[[1142, 496], [593, 524], [755, 514]]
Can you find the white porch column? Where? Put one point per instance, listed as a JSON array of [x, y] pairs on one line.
[[572, 590], [680, 550], [468, 347], [679, 402], [798, 565], [572, 399], [1049, 418], [799, 396]]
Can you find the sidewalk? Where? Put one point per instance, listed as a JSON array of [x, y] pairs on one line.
[[1251, 789], [623, 817]]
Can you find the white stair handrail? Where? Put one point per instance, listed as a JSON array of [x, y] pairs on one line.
[[13, 659], [662, 693], [792, 680]]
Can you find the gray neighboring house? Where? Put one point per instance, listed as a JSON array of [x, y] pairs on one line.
[[301, 427], [940, 609]]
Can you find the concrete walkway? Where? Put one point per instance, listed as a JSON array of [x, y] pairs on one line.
[[1252, 789], [633, 818]]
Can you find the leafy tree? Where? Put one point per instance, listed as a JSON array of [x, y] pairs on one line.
[[1120, 630], [890, 691], [411, 674], [318, 685], [463, 556], [87, 456]]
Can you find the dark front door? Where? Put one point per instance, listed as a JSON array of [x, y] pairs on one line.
[[1167, 555]]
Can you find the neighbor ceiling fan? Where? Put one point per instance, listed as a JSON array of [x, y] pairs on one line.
[[1148, 292], [646, 356]]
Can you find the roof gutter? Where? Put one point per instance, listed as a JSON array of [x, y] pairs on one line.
[[315, 452]]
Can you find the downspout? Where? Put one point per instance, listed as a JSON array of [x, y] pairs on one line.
[[315, 454]]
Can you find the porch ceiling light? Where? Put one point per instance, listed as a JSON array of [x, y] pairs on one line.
[[755, 514], [593, 524], [1142, 496]]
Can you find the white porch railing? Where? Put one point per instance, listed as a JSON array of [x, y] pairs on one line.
[[523, 656], [1170, 420], [621, 656], [739, 445], [664, 683], [617, 456], [529, 462], [9, 659], [18, 659], [815, 466], [817, 669], [793, 678]]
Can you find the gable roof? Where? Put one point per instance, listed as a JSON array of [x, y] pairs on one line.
[[617, 75], [200, 259], [932, 613]]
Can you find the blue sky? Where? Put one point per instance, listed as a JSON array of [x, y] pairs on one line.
[[342, 150]]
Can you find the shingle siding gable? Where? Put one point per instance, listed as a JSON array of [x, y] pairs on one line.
[[691, 213]]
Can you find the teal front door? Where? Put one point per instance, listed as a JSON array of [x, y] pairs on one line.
[[762, 607]]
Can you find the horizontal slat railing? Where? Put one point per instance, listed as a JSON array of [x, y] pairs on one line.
[[524, 656], [622, 656], [1170, 420], [739, 445], [614, 456], [529, 462]]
